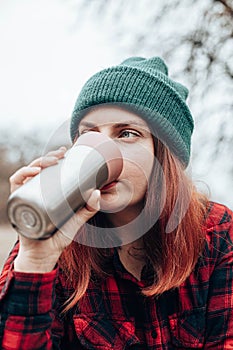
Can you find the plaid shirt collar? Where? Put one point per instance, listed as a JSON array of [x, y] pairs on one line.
[[147, 275]]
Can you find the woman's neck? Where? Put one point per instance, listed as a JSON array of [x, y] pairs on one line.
[[127, 225], [132, 257], [131, 254]]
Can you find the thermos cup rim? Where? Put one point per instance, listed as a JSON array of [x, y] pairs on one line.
[[112, 155]]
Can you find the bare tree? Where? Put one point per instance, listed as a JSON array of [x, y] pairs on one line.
[[194, 37], [196, 40]]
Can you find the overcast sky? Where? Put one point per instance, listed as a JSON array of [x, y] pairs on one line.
[[46, 56]]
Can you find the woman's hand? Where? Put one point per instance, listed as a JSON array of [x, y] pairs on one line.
[[42, 255], [27, 172]]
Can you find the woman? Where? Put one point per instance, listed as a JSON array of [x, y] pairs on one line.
[[147, 263]]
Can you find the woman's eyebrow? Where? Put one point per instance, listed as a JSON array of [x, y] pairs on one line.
[[129, 123], [114, 125], [87, 124]]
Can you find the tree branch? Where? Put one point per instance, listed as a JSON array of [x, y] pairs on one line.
[[227, 6]]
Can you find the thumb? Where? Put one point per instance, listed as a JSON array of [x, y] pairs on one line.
[[93, 203]]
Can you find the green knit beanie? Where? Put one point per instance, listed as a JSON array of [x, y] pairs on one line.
[[144, 86]]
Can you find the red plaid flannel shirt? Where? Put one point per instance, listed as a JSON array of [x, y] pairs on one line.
[[114, 314]]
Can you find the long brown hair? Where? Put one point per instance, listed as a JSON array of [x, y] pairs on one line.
[[172, 244]]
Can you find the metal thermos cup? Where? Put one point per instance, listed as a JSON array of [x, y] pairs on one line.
[[44, 203]]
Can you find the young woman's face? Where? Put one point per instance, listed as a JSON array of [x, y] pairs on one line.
[[134, 139]]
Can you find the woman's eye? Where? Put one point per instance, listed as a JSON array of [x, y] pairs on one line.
[[129, 133]]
